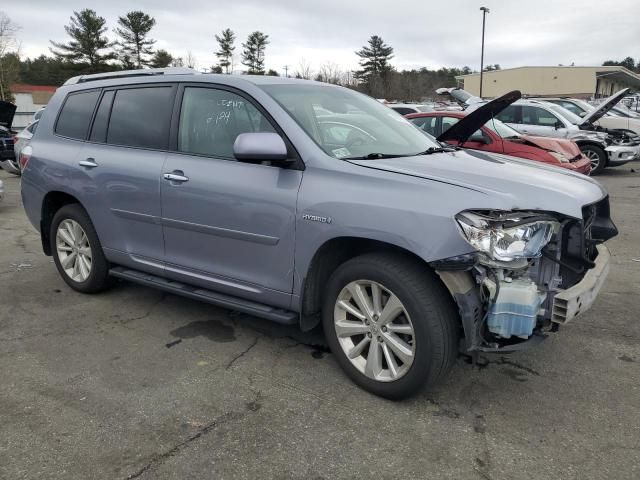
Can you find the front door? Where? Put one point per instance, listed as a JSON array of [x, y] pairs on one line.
[[228, 225]]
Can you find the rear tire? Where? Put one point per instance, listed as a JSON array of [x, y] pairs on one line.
[[77, 251], [597, 156], [425, 324]]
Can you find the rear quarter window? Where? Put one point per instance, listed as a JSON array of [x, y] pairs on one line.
[[75, 115]]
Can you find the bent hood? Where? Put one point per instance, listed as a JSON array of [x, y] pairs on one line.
[[510, 183], [598, 112], [561, 145], [471, 122], [7, 111]]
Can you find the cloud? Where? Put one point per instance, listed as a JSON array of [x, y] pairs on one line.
[[544, 32]]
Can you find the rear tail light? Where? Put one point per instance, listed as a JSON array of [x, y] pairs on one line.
[[25, 155]]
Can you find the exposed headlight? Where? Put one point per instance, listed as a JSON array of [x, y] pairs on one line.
[[560, 157], [508, 236]]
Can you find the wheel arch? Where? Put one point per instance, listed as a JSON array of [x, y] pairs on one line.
[[51, 203], [331, 254]]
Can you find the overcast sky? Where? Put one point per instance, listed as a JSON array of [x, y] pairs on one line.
[[422, 32]]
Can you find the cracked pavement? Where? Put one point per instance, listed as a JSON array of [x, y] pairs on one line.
[[134, 383]]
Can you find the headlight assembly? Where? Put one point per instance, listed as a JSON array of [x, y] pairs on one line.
[[560, 157], [505, 237]]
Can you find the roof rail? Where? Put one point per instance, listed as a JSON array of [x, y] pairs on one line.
[[130, 73]]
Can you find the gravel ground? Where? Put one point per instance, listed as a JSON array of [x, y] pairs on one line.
[[134, 383]]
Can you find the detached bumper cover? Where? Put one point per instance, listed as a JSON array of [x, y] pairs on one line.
[[576, 300]]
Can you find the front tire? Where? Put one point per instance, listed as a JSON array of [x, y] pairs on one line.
[[77, 252], [390, 323], [597, 156]]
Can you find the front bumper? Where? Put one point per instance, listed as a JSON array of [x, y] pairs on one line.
[[619, 155], [583, 165], [576, 300]]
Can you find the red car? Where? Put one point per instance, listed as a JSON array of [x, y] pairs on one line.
[[496, 137]]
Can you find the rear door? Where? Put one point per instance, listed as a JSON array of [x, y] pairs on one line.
[[120, 169], [228, 225]]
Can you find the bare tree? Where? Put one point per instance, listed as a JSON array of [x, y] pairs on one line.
[[329, 73], [304, 69], [8, 53], [191, 61]]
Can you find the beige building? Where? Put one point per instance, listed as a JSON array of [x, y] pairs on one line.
[[580, 82]]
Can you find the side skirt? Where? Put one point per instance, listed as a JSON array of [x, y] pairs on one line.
[[284, 317]]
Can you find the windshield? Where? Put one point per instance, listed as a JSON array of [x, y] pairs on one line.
[[563, 112], [348, 124], [502, 130]]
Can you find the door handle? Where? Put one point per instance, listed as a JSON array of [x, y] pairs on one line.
[[89, 163], [175, 177]]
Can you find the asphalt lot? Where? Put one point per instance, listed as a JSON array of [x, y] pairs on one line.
[[134, 383]]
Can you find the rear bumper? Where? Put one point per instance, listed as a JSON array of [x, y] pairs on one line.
[[576, 300]]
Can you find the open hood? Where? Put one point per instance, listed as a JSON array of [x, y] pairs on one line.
[[604, 107], [462, 97], [467, 125], [7, 111]]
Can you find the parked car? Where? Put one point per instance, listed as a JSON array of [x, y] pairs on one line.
[[7, 154], [22, 140], [535, 117], [225, 189], [405, 108], [479, 130], [614, 119]]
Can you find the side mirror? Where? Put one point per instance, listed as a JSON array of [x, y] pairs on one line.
[[558, 125], [583, 114], [260, 146], [478, 139]]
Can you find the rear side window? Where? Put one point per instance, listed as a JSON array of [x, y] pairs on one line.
[[76, 113], [99, 130], [508, 115], [212, 119], [428, 124], [140, 117]]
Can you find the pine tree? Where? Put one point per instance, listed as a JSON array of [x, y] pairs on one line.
[[161, 59], [225, 53], [374, 59], [87, 31], [133, 31], [253, 53]]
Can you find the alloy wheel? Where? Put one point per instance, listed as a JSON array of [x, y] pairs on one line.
[[593, 157], [74, 250], [374, 330]]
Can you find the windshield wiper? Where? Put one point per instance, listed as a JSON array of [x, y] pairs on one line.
[[374, 156], [432, 150]]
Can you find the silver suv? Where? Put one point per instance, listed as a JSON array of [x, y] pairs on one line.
[[305, 203]]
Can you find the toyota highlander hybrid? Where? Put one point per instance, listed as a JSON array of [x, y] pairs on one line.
[[305, 203]]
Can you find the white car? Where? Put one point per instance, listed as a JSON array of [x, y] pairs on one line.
[[407, 108], [616, 118], [22, 140]]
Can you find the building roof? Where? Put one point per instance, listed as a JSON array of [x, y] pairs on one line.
[[599, 69], [25, 88]]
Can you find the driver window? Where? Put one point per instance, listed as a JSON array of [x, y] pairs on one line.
[[545, 118], [212, 119], [448, 122]]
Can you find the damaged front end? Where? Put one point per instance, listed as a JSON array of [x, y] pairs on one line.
[[531, 272]]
